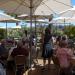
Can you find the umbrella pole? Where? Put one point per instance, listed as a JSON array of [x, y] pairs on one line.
[[35, 32], [64, 23], [56, 28], [6, 29], [31, 1]]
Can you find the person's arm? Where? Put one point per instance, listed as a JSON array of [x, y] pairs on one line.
[[14, 53], [10, 51], [57, 52], [70, 52]]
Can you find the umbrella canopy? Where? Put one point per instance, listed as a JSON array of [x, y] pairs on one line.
[[45, 6], [19, 6], [48, 7], [6, 18], [68, 13]]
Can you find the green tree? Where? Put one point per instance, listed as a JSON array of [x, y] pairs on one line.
[[70, 31], [2, 34]]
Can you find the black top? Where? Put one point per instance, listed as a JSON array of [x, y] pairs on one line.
[[47, 38], [3, 50]]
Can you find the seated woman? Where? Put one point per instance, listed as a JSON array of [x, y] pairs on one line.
[[19, 50], [64, 55]]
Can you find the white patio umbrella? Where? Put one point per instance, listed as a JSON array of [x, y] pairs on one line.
[[7, 19], [24, 6]]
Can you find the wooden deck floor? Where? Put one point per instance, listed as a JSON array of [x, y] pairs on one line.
[[37, 70]]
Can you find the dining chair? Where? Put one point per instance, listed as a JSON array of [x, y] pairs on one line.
[[19, 63]]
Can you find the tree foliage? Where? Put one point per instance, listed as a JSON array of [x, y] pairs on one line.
[[16, 33], [2, 34], [70, 31]]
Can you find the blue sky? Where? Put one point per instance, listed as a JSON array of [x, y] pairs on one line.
[[14, 24], [73, 2], [3, 25]]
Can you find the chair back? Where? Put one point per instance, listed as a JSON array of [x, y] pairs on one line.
[[20, 59]]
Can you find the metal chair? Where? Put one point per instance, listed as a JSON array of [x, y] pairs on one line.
[[19, 63]]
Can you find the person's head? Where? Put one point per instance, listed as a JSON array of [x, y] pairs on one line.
[[64, 38], [63, 44], [58, 38]]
